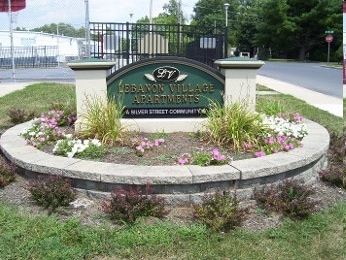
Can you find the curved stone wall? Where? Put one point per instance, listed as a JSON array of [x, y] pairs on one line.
[[176, 183]]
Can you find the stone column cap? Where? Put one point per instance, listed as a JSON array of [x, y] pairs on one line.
[[91, 64], [239, 63]]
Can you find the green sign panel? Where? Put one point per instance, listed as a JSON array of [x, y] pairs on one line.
[[166, 87]]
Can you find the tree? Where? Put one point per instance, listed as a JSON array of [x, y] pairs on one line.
[[211, 14], [170, 15], [295, 26], [273, 26], [61, 29], [173, 12], [245, 25]]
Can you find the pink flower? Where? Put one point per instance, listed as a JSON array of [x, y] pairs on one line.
[[271, 140], [140, 148], [182, 161], [216, 152], [217, 155], [248, 146], [184, 158], [259, 154], [297, 117], [281, 139]]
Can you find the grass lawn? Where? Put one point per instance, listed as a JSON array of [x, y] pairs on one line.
[[321, 236]]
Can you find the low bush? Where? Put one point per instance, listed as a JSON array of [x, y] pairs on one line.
[[7, 172], [270, 108], [290, 198], [128, 204], [232, 125], [336, 171], [67, 110], [45, 130], [18, 116], [102, 120], [85, 149], [52, 192], [220, 211], [203, 157]]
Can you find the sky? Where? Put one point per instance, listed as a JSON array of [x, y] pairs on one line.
[[40, 12]]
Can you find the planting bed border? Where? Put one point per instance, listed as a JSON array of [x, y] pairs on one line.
[[179, 184]]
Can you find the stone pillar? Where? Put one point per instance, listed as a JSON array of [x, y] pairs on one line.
[[91, 82], [240, 80]]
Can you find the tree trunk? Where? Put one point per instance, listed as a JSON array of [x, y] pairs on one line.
[[302, 53]]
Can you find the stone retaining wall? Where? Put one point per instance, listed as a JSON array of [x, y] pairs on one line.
[[176, 183]]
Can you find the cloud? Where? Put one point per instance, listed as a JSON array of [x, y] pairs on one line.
[[40, 12]]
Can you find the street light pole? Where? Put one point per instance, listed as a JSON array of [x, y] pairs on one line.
[[226, 5]]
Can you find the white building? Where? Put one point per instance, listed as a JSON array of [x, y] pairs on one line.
[[38, 46]]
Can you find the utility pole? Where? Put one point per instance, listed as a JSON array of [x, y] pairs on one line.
[[87, 29], [11, 40], [179, 12], [57, 43], [151, 12]]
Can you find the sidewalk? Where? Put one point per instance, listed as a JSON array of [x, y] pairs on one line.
[[8, 87], [327, 103], [331, 104]]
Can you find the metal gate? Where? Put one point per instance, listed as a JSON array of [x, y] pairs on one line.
[[125, 43]]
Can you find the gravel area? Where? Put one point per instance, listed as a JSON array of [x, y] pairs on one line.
[[87, 209]]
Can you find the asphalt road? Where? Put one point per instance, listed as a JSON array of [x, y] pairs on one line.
[[313, 76], [38, 74]]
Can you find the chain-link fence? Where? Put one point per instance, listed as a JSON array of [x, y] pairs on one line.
[[28, 53], [47, 34]]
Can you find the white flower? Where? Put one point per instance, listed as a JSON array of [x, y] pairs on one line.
[[74, 149], [282, 126], [70, 154], [68, 136], [96, 142]]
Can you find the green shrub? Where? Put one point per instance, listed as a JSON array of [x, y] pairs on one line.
[[68, 109], [92, 152], [102, 120], [232, 125], [18, 116], [271, 108], [290, 198], [205, 157], [336, 171], [264, 54], [220, 211], [52, 192], [128, 204], [7, 172]]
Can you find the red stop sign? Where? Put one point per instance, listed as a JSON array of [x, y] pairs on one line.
[[16, 5], [329, 38]]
